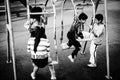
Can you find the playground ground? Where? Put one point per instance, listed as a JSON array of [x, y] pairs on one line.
[[65, 70]]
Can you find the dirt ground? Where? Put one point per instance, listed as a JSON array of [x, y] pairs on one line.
[[65, 70]]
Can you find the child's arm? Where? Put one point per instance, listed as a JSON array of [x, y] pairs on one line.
[[87, 39], [27, 24]]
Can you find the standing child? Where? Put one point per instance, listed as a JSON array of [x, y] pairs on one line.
[[95, 36], [38, 45], [74, 33], [97, 30]]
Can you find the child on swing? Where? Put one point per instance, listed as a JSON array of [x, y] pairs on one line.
[[75, 32], [38, 44], [95, 36]]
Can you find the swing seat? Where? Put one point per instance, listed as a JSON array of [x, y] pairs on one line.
[[65, 46]]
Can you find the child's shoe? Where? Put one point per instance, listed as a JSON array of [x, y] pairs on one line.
[[92, 65], [82, 53], [54, 62], [53, 78], [70, 58], [32, 76]]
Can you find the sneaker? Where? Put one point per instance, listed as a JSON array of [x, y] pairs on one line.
[[32, 75], [53, 78], [54, 62], [70, 58], [82, 53], [92, 65]]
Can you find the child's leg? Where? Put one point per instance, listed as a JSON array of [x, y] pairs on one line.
[[74, 53], [35, 69], [92, 52], [95, 53], [71, 38], [70, 42], [77, 48], [52, 71]]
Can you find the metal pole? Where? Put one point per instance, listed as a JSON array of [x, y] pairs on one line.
[[8, 44], [7, 35], [46, 3], [35, 2], [11, 38], [54, 24], [28, 9], [107, 45], [74, 6], [62, 27]]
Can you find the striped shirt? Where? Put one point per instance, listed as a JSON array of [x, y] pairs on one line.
[[43, 48]]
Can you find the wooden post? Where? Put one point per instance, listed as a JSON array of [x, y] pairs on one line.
[[10, 29], [107, 45]]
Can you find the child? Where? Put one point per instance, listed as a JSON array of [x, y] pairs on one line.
[[38, 45], [95, 36], [74, 33]]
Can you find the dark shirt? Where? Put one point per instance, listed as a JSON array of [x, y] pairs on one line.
[[76, 29]]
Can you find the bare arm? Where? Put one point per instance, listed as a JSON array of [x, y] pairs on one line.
[[87, 39]]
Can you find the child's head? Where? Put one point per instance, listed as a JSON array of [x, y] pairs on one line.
[[37, 16], [83, 17], [99, 18]]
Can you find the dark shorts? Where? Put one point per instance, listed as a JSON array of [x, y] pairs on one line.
[[72, 40], [40, 62]]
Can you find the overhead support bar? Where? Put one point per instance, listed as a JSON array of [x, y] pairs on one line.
[[37, 13], [37, 4]]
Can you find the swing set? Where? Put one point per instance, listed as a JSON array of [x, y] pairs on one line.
[[9, 28], [95, 6]]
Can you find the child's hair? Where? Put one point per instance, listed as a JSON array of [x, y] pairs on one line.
[[99, 17], [37, 16], [82, 16], [39, 33]]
